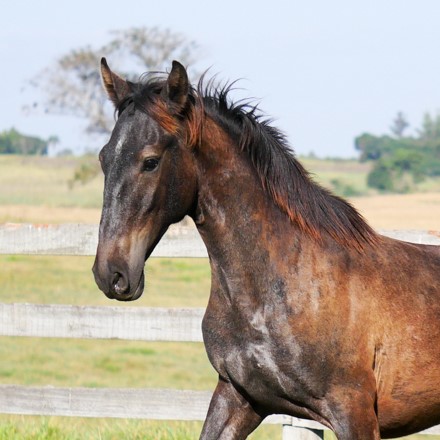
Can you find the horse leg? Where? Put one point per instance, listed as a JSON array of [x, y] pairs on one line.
[[354, 417], [230, 415]]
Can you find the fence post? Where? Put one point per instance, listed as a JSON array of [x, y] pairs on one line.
[[300, 433]]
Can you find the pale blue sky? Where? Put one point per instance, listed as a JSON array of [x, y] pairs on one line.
[[326, 71]]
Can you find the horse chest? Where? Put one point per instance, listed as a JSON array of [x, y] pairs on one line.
[[250, 357], [256, 369]]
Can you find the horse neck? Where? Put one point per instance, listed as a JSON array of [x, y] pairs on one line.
[[241, 226]]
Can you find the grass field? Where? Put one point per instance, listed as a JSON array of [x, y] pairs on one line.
[[36, 190]]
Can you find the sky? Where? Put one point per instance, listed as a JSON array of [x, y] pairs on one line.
[[324, 71]]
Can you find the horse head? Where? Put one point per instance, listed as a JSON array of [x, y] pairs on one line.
[[149, 173]]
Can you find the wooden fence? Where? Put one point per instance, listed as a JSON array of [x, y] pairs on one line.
[[128, 323]]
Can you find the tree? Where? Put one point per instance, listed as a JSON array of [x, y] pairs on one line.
[[368, 146], [372, 147], [399, 125], [400, 163], [72, 85], [430, 130]]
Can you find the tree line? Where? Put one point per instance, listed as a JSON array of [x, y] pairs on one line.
[[401, 162], [14, 142]]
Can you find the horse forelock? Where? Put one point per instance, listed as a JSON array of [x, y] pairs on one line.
[[147, 97]]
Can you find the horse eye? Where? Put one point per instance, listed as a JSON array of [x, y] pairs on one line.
[[150, 164]]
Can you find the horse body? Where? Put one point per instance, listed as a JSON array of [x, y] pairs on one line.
[[279, 328], [311, 313]]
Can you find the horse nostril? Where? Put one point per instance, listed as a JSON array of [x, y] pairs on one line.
[[120, 284]]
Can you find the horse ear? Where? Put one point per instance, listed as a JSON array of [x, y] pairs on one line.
[[117, 88], [177, 87]]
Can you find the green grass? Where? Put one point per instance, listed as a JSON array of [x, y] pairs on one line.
[[63, 428], [330, 436], [108, 363], [69, 280]]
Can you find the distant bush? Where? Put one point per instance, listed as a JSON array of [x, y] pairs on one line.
[[86, 171], [343, 189], [380, 178]]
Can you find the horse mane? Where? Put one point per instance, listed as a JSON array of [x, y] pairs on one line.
[[313, 208]]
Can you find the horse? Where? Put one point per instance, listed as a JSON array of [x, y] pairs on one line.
[[311, 312]]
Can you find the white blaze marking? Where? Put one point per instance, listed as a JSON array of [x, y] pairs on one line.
[[121, 141], [115, 208]]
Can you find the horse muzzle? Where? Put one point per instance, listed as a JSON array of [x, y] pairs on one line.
[[116, 283]]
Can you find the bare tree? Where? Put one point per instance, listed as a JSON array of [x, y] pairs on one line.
[[72, 85]]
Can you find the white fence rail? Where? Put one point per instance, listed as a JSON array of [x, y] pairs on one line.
[[129, 323], [80, 239]]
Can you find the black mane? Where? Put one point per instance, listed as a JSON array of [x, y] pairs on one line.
[[313, 207]]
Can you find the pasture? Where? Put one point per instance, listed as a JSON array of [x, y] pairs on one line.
[[35, 190]]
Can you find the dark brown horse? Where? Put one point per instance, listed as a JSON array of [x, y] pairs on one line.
[[311, 313]]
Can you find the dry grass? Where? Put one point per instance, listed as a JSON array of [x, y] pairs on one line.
[[35, 190], [38, 181], [409, 211], [48, 214], [394, 211]]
